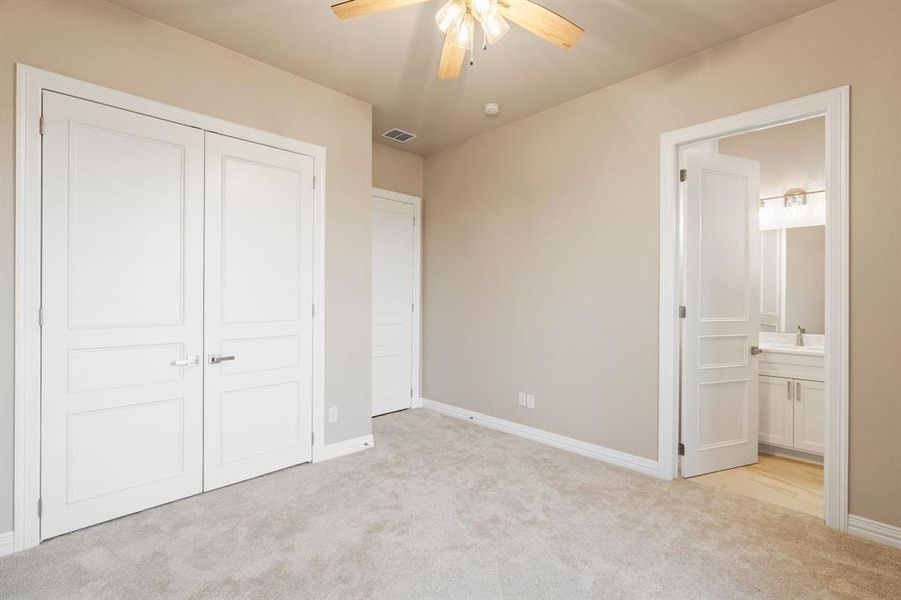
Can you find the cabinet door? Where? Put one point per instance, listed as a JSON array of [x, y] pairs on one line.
[[776, 410], [810, 415]]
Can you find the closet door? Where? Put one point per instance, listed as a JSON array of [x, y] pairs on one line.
[[122, 275], [258, 310]]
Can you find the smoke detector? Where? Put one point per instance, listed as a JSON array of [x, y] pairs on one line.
[[399, 135], [492, 109]]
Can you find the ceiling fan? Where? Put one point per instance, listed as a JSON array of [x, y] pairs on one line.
[[458, 19]]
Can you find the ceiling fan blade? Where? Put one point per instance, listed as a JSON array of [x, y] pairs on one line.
[[360, 8], [541, 21], [451, 59]]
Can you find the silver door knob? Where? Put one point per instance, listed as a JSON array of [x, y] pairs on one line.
[[215, 359], [187, 362]]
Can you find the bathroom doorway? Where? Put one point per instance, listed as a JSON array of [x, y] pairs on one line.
[[753, 371], [788, 468]]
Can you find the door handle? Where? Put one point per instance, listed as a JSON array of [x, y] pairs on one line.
[[187, 362], [756, 350], [788, 390], [215, 359], [798, 391]]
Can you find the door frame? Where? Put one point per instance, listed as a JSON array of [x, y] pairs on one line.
[[834, 105], [416, 202], [30, 84]]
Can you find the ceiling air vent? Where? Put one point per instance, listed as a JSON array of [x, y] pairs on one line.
[[399, 135]]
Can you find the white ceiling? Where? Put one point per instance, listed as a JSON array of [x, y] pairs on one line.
[[391, 59]]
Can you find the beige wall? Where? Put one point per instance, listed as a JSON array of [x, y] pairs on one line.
[[541, 263], [103, 44], [396, 170]]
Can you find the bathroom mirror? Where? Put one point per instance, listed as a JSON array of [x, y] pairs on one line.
[[792, 279]]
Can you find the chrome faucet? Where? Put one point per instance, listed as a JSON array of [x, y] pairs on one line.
[[799, 337]]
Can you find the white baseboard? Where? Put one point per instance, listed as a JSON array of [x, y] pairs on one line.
[[881, 533], [615, 457], [346, 447], [7, 542]]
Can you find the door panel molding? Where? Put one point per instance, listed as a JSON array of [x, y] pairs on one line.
[[30, 85]]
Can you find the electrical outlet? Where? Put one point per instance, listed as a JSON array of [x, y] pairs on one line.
[[530, 401], [333, 414], [522, 398]]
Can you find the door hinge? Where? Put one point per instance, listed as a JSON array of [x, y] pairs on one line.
[[414, 221], [314, 310], [41, 124], [41, 317], [682, 311], [681, 449], [313, 437], [412, 307], [411, 392], [40, 507], [314, 182], [683, 174]]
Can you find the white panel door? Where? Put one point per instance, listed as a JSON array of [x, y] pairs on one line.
[[720, 291], [121, 412], [392, 305], [810, 415], [776, 411], [258, 310]]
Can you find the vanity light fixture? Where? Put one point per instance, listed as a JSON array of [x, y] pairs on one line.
[[795, 197]]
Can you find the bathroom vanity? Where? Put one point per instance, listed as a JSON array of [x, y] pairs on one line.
[[792, 393]]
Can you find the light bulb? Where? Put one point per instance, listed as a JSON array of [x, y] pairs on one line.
[[483, 9], [450, 16], [464, 34], [495, 28]]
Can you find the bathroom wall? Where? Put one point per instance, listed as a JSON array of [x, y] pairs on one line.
[[790, 156]]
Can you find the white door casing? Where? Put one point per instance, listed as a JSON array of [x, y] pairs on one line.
[[721, 296], [258, 309], [122, 302], [392, 305]]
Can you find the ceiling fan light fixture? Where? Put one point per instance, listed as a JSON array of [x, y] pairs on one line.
[[483, 9], [450, 16], [495, 28], [465, 32]]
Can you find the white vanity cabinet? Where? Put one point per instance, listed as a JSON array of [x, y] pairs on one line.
[[792, 400]]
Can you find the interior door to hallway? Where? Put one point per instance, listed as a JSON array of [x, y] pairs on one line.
[[720, 280], [392, 305]]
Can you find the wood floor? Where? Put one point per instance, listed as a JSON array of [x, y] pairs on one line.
[[789, 483]]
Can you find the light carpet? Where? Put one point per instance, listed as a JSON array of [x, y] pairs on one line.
[[442, 508]]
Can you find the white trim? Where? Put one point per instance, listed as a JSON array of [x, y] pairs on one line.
[[834, 106], [881, 533], [357, 444], [30, 83], [614, 457], [416, 201], [7, 543]]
